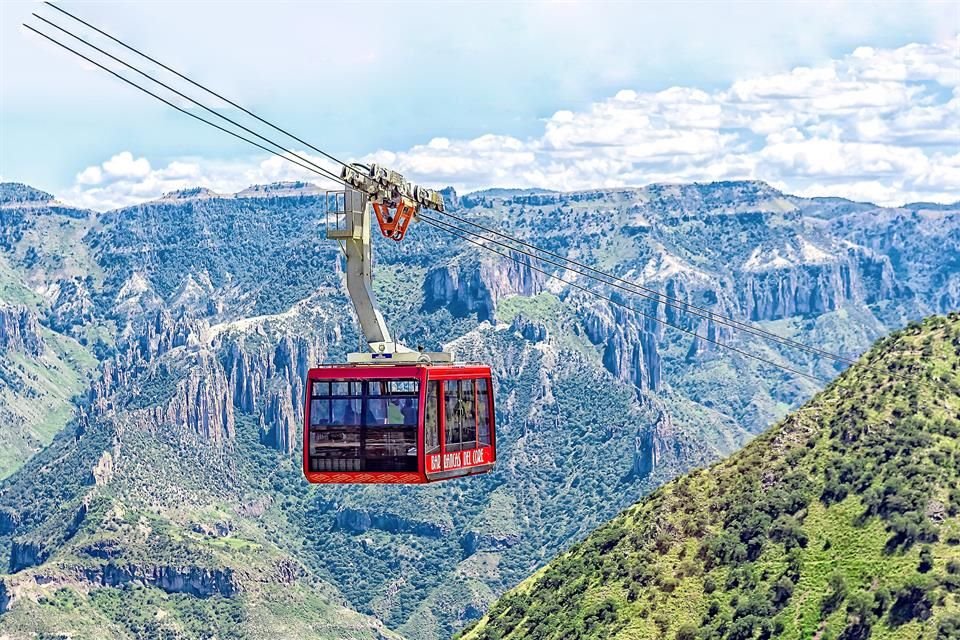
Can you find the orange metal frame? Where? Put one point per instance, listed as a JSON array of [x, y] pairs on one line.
[[394, 225]]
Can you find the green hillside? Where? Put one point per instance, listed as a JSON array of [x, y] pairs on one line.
[[841, 522], [36, 396]]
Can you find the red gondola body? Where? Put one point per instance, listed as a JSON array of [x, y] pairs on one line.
[[398, 424]]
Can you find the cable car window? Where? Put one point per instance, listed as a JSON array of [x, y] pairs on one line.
[[483, 413], [468, 399], [390, 425], [404, 386], [392, 411], [335, 431], [319, 411], [451, 394], [431, 427], [346, 410], [461, 429], [363, 426], [337, 445], [347, 388]]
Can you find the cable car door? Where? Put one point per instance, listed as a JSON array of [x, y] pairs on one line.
[[465, 428]]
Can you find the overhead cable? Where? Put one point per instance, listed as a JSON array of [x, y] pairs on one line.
[[471, 239], [196, 84], [581, 269]]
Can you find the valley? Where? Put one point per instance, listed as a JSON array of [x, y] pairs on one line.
[[154, 465]]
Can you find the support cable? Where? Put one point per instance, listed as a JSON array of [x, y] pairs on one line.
[[634, 288], [146, 75], [646, 292], [456, 231], [196, 84], [446, 227]]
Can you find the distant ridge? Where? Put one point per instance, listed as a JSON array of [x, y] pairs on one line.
[[15, 192], [18, 192]]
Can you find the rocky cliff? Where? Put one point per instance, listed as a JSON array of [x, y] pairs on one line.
[[475, 284], [167, 378], [19, 330], [778, 285], [628, 341]]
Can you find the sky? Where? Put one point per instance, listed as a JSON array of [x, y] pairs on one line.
[[852, 99]]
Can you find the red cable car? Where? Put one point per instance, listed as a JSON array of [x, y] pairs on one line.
[[391, 415], [398, 423]]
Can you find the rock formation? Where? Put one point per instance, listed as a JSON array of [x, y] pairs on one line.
[[19, 330]]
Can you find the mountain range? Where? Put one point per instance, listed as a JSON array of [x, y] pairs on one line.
[[152, 362]]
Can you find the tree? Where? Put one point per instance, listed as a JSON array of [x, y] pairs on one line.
[[838, 592], [912, 602], [687, 632], [860, 617], [781, 591]]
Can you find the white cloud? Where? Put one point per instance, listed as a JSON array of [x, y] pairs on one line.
[[124, 180], [878, 124]]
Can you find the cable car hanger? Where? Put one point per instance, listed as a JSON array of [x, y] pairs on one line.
[[397, 203], [394, 415]]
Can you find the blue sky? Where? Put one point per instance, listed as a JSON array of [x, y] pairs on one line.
[[475, 94]]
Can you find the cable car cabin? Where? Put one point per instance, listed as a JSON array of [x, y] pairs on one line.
[[398, 423]]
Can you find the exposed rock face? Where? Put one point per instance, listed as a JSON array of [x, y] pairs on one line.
[[774, 292], [474, 541], [902, 235], [102, 473], [139, 350], [250, 370], [168, 354], [136, 297], [629, 343], [195, 295], [450, 198], [279, 420], [196, 581], [247, 373], [654, 445], [19, 331], [531, 330], [202, 403], [476, 287], [283, 411], [356, 521], [770, 287], [9, 519], [73, 306], [25, 554], [268, 381]]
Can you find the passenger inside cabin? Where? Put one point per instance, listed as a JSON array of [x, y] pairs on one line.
[[395, 411], [350, 416], [375, 413], [409, 412]]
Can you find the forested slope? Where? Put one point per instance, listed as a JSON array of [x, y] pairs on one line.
[[841, 522]]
